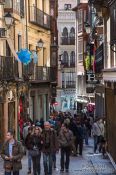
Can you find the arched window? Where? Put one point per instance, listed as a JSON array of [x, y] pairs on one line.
[[65, 32], [65, 36], [65, 58], [72, 32], [72, 36], [72, 58]]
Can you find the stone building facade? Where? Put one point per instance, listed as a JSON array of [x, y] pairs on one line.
[[25, 90], [67, 59]]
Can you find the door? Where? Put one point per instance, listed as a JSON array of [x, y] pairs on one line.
[[11, 115]]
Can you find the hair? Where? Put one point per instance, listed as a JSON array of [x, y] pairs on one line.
[[12, 132], [66, 126]]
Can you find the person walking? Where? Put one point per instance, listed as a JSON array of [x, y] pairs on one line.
[[98, 133], [49, 145], [27, 144], [35, 147], [65, 143], [12, 153], [79, 137]]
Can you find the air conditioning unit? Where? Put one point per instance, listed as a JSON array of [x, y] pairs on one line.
[[2, 33]]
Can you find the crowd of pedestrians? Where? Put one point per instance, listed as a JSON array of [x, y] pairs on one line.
[[62, 132]]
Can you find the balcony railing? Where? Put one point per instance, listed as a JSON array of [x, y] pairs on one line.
[[8, 68], [45, 74], [39, 73], [69, 84], [67, 40], [72, 64], [99, 59], [38, 17], [2, 32], [12, 6]]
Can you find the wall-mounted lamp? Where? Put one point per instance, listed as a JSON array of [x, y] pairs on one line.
[[40, 44], [113, 46], [8, 19], [87, 28]]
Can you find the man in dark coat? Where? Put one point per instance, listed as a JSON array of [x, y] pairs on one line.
[[12, 153], [50, 144]]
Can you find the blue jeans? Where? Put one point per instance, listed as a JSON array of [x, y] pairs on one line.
[[29, 160], [95, 143], [86, 137], [47, 161], [36, 164], [14, 173]]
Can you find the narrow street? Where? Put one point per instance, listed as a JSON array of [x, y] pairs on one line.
[[88, 164]]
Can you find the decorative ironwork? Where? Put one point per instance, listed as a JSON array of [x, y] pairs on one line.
[[2, 32], [8, 68], [67, 40], [38, 17]]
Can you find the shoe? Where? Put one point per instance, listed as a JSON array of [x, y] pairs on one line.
[[62, 170], [29, 172], [67, 170]]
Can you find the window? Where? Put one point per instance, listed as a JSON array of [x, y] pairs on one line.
[[65, 36], [16, 6], [72, 36], [22, 8], [67, 6], [65, 32], [19, 42], [72, 32], [65, 58], [8, 51], [72, 58], [80, 20], [80, 50]]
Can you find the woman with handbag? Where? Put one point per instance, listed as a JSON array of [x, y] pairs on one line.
[[12, 153], [35, 149]]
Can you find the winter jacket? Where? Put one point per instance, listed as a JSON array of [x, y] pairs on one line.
[[49, 138], [17, 154], [33, 140], [98, 129], [65, 138], [79, 132]]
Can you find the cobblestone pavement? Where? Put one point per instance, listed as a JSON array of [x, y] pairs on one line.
[[88, 164]]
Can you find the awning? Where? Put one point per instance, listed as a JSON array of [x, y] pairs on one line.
[[81, 100]]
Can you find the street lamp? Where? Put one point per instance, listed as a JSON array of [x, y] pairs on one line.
[[87, 28], [8, 19], [40, 44]]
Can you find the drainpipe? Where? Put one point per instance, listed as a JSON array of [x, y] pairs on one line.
[[26, 17]]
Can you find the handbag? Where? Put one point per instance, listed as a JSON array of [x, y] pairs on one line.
[[8, 165], [34, 152]]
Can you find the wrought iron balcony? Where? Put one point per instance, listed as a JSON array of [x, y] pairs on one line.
[[2, 32], [67, 40], [8, 68], [28, 71], [68, 84], [99, 59], [72, 64], [38, 17], [45, 74], [14, 6]]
